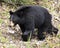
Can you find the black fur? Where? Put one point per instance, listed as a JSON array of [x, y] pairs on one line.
[[31, 17]]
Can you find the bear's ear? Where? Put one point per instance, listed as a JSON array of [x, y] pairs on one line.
[[10, 12]]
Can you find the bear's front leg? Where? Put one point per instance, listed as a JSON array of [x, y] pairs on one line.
[[29, 28], [27, 35]]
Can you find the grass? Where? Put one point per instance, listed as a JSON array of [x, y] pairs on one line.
[[1, 21], [50, 42]]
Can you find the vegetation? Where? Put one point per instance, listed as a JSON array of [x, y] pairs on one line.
[[10, 37]]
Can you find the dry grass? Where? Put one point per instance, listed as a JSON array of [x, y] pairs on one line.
[[9, 38]]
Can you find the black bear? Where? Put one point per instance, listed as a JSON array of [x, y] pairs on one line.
[[31, 17]]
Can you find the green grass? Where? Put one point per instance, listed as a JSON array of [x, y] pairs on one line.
[[1, 21], [3, 39]]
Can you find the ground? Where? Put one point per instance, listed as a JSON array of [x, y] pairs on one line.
[[10, 37]]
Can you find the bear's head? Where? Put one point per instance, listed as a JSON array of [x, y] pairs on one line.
[[16, 18]]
